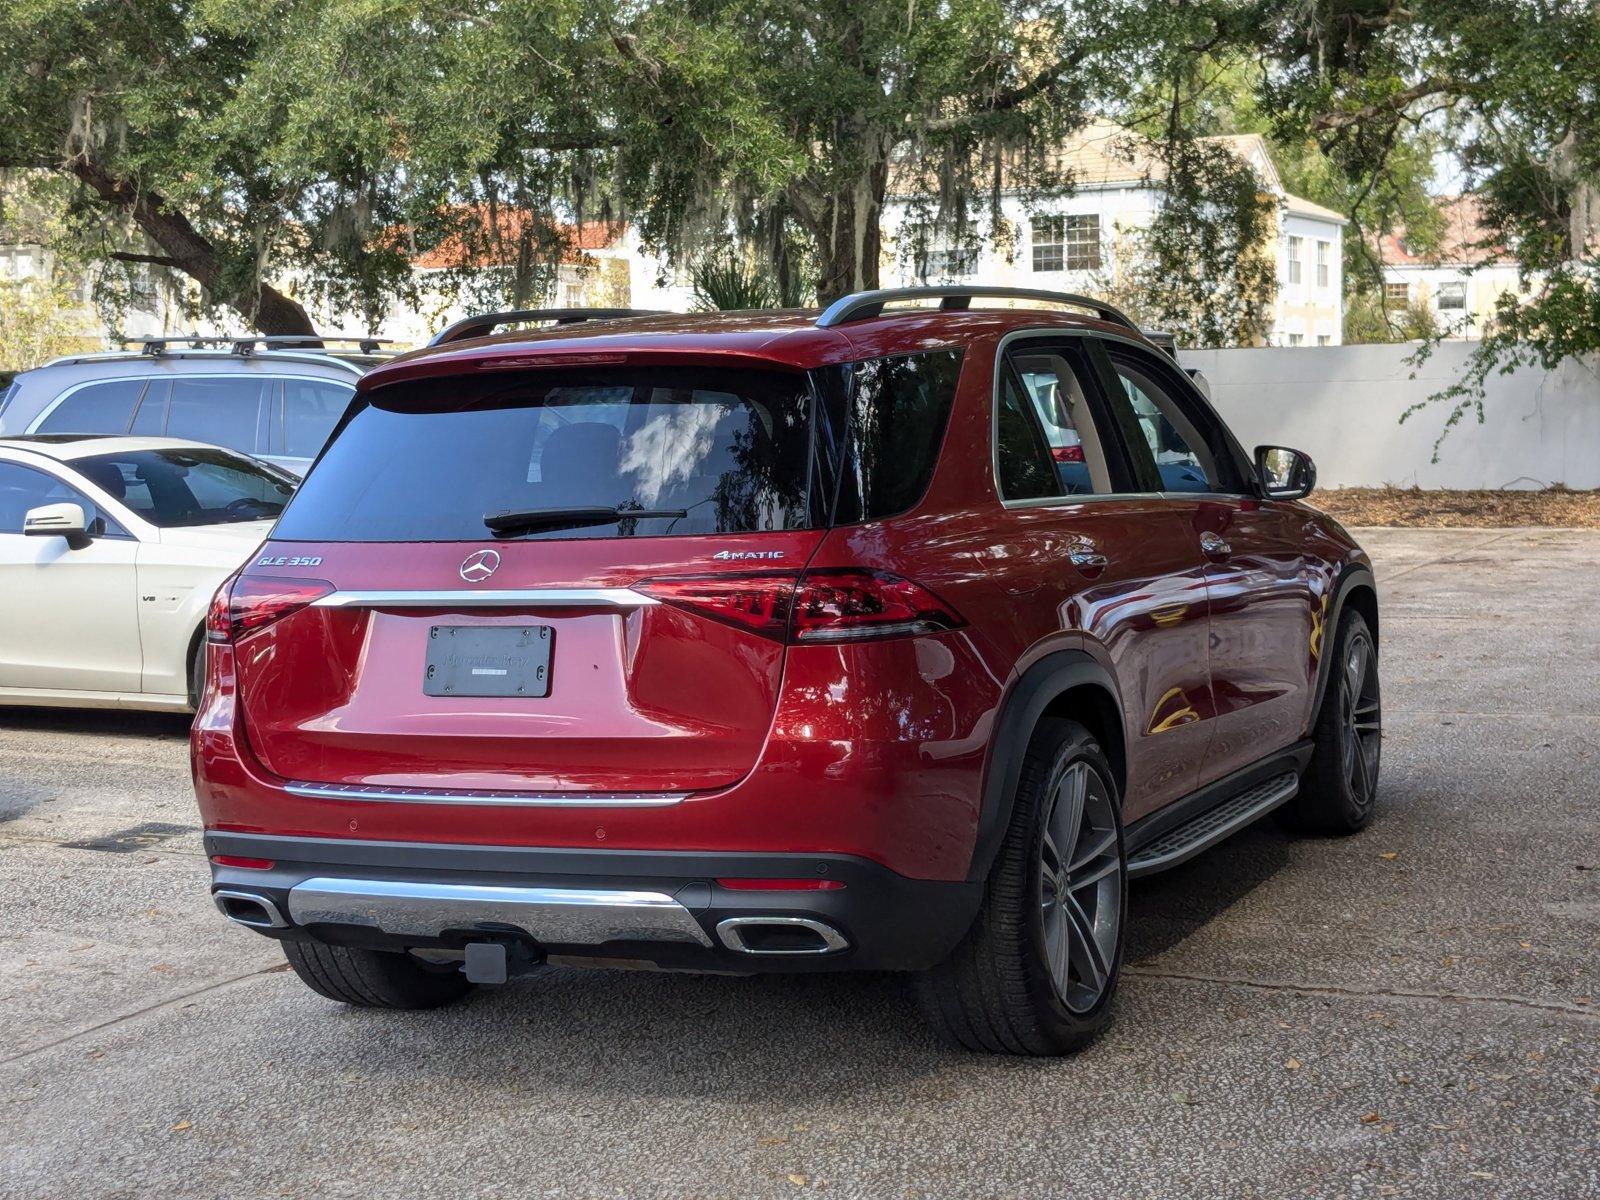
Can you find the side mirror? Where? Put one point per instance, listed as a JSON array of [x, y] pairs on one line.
[[58, 520], [1285, 474]]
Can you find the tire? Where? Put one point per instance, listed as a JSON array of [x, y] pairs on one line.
[[1339, 789], [197, 672], [1001, 988], [373, 978]]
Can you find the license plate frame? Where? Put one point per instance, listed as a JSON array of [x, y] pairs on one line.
[[503, 661]]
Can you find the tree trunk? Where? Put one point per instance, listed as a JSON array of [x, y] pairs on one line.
[[845, 222], [261, 306]]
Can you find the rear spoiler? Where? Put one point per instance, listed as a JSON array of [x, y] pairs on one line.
[[486, 323]]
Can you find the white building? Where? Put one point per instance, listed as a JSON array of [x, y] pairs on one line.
[[1080, 241], [1460, 282]]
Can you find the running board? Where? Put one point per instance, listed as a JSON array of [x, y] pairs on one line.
[[1210, 827]]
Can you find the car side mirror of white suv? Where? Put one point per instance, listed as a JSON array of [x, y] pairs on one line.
[[58, 520]]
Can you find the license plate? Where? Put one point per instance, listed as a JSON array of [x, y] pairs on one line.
[[488, 660]]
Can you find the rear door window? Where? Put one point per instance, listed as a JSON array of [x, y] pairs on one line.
[[229, 412], [105, 407], [1048, 437], [311, 408], [562, 454]]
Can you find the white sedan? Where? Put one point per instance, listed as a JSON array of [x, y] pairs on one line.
[[110, 551]]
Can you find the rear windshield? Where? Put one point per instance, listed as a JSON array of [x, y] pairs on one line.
[[557, 454]]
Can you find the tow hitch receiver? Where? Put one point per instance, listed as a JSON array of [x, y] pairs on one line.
[[495, 962]]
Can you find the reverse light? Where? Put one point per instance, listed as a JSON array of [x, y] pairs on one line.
[[817, 606], [247, 604]]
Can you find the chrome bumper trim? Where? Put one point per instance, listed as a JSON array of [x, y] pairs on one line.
[[481, 598], [550, 916], [348, 791]]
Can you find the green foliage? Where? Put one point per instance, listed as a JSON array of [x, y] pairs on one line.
[[1505, 87], [729, 282], [39, 322]]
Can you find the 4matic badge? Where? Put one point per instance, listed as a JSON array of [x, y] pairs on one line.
[[743, 555]]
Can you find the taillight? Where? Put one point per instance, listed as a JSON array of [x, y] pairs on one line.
[[818, 606], [847, 606], [1067, 454], [757, 602], [217, 627], [248, 604]]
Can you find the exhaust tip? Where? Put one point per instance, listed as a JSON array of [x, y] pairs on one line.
[[780, 935], [247, 908]]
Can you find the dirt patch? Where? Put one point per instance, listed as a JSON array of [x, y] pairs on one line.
[[1416, 508]]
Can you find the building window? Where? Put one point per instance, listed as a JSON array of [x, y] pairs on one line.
[[1453, 295], [1066, 243], [951, 262], [1297, 339], [1295, 270], [1324, 339], [1397, 293], [1323, 268]]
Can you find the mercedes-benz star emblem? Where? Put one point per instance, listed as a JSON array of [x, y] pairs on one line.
[[480, 566]]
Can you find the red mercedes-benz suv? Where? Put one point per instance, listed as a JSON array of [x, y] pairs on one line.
[[898, 637]]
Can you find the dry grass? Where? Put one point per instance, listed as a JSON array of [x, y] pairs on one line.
[[1415, 508]]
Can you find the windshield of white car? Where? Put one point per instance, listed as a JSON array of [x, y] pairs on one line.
[[190, 486]]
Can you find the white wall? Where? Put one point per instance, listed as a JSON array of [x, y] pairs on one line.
[[1342, 405]]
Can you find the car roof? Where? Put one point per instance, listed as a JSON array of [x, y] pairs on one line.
[[790, 338], [67, 447]]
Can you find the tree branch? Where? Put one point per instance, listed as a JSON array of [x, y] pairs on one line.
[[1396, 102], [155, 260], [190, 251], [1012, 98]]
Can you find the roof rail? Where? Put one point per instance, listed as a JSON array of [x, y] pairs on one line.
[[955, 297], [246, 343], [486, 323]]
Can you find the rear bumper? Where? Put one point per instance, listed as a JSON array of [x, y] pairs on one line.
[[642, 907]]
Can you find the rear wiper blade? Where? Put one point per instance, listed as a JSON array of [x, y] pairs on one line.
[[511, 520]]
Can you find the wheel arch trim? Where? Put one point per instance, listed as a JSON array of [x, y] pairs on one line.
[[1021, 709], [1352, 576]]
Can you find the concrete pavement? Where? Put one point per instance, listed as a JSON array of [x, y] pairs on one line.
[[1411, 1012]]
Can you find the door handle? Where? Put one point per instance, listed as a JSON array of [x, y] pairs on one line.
[[1214, 545]]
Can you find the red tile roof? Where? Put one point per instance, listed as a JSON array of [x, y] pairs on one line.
[[1463, 241], [458, 250]]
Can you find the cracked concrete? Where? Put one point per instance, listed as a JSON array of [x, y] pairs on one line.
[[1406, 1013]]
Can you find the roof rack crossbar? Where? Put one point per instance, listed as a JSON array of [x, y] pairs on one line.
[[861, 306], [245, 343], [486, 323]]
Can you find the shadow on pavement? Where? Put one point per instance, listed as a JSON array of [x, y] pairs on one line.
[[107, 722], [1165, 909]]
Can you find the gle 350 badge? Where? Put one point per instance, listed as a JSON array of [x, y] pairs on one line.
[[289, 560]]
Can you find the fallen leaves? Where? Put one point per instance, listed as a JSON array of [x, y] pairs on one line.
[[183, 1127], [1292, 1065]]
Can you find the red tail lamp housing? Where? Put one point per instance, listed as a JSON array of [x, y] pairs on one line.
[[247, 604], [845, 605], [1067, 454]]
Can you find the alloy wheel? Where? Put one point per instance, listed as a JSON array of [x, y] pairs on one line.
[[1361, 715], [1081, 887]]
